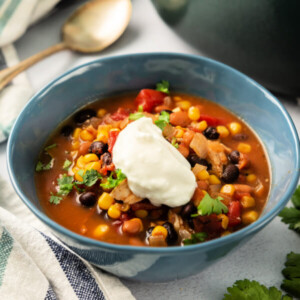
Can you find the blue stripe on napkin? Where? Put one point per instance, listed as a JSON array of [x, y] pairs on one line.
[[8, 12], [6, 246], [50, 294], [79, 277]]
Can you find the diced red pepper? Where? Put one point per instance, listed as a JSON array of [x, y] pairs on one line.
[[239, 195], [120, 114], [112, 137], [211, 121], [148, 99], [234, 213]]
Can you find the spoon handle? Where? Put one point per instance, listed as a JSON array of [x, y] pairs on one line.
[[6, 75]]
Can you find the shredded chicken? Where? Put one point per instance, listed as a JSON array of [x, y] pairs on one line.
[[199, 144]]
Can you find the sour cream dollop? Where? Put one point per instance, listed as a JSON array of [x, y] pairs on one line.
[[154, 168]]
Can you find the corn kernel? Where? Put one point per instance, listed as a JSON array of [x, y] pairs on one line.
[[179, 133], [185, 105], [76, 133], [102, 136], [228, 189], [251, 178], [247, 201], [86, 136], [75, 169], [235, 128], [101, 112], [141, 213], [194, 113], [90, 157], [75, 145], [204, 192], [105, 201], [225, 220], [101, 230], [249, 217], [244, 148], [125, 207], [80, 162], [159, 230], [203, 175], [227, 232], [177, 98], [114, 212], [94, 165], [223, 131], [176, 109], [78, 177], [213, 179]]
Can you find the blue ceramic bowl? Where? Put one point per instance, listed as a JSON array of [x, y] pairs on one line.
[[186, 73]]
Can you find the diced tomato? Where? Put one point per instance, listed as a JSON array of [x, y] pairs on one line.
[[239, 195], [112, 137], [120, 114], [212, 224], [211, 121], [148, 99], [234, 213]]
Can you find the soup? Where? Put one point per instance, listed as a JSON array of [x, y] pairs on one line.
[[153, 168]]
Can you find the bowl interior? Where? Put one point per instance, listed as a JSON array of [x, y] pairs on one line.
[[186, 73]]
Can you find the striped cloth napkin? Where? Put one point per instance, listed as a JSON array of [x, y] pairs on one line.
[[35, 265]]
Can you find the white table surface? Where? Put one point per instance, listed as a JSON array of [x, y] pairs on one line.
[[262, 258]]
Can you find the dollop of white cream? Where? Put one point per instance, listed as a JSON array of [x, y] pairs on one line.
[[154, 168]]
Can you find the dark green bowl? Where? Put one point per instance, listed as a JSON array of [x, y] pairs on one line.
[[259, 37]]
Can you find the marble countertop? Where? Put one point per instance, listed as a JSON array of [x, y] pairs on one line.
[[262, 258]]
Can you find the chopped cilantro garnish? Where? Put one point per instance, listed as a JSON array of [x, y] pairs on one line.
[[140, 108], [249, 290], [136, 116], [174, 143], [41, 167], [55, 199], [65, 184], [209, 205], [67, 164], [114, 179], [163, 120], [292, 274], [163, 86], [90, 177], [50, 147], [196, 238], [291, 215]]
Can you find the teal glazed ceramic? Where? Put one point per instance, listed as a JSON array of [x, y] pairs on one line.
[[186, 73], [259, 38]]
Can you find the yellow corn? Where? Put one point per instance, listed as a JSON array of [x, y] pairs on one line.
[[78, 177], [125, 207], [202, 125], [213, 179], [176, 109], [247, 201], [101, 230], [75, 169], [194, 113], [76, 133], [179, 133], [90, 157], [80, 162], [225, 220], [251, 178], [101, 112], [244, 148], [203, 175], [235, 128], [228, 189], [227, 232], [223, 131], [159, 230], [102, 135], [75, 145], [177, 98], [86, 135], [141, 213], [94, 165], [105, 201], [114, 212], [185, 105], [249, 217]]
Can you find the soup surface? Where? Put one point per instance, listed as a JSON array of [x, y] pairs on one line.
[[153, 169]]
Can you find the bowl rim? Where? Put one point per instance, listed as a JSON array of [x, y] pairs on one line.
[[174, 250]]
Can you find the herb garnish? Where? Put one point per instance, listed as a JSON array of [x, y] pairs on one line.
[[50, 147], [136, 116], [196, 238], [163, 86], [209, 205], [174, 142], [90, 177], [67, 164], [55, 199], [140, 108], [41, 167], [163, 120], [65, 185], [114, 179]]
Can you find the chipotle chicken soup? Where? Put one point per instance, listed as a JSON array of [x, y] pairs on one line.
[[153, 169]]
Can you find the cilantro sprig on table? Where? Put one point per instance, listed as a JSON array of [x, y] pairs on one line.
[[163, 86], [114, 179]]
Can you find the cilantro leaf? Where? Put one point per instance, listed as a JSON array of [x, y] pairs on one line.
[[140, 108], [114, 179], [41, 167], [91, 177], [136, 116], [209, 205], [163, 86], [292, 274], [50, 147], [67, 164], [249, 290], [163, 120], [174, 142], [55, 199], [65, 184], [196, 238]]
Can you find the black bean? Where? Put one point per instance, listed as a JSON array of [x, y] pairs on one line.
[[188, 210], [106, 158], [240, 137], [84, 115], [230, 173], [166, 110], [98, 148], [66, 130], [149, 231], [211, 133], [172, 236], [195, 159], [88, 198], [234, 157]]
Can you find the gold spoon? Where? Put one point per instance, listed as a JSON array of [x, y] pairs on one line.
[[91, 28]]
